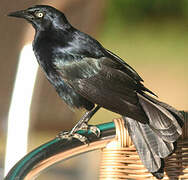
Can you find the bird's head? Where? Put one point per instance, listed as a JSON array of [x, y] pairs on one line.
[[42, 17]]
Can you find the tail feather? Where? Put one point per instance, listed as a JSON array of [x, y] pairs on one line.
[[176, 113], [150, 147], [161, 120], [155, 141]]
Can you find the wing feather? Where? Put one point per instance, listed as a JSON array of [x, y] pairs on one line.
[[104, 85], [116, 60]]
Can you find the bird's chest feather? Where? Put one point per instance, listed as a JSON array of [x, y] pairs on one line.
[[51, 58], [64, 60]]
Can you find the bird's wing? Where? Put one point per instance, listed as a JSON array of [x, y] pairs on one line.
[[104, 84], [123, 66], [117, 63]]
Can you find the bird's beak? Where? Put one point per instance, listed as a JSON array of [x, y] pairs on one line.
[[21, 14]]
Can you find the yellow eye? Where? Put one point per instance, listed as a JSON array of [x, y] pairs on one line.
[[39, 14]]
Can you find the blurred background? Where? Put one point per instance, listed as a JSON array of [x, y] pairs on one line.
[[151, 36]]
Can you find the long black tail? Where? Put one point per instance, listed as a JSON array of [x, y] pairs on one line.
[[155, 140]]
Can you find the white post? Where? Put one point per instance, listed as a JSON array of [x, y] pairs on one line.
[[19, 111]]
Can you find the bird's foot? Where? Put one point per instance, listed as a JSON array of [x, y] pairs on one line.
[[74, 134], [67, 135], [94, 129]]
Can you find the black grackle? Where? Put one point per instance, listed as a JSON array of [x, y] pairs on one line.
[[86, 74]]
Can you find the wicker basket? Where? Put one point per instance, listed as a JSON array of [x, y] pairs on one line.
[[121, 161]]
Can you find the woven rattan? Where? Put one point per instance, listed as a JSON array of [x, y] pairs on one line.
[[121, 161]]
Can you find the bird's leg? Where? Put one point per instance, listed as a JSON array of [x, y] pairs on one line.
[[82, 125]]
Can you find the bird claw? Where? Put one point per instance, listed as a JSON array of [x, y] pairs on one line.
[[64, 135], [81, 138], [94, 129], [84, 127], [67, 135]]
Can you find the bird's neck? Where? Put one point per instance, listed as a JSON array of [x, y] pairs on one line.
[[53, 34], [46, 41]]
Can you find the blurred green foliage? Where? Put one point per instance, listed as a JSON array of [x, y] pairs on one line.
[[147, 31], [136, 10]]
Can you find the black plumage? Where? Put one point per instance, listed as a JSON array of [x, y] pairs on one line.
[[84, 73]]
